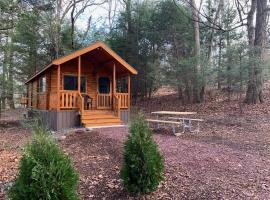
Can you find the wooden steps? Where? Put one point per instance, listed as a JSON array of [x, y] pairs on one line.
[[95, 118]]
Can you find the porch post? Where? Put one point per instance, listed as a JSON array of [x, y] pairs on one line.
[[79, 74], [114, 86], [129, 92], [114, 79], [58, 87]]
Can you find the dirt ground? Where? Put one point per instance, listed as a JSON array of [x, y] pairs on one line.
[[228, 159]]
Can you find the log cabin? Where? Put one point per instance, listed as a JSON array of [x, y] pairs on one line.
[[89, 87]]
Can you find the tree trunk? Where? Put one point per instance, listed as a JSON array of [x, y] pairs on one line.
[[4, 75], [255, 84], [250, 23], [10, 95], [58, 28], [10, 92], [229, 67], [72, 19], [219, 62], [198, 94], [180, 92], [0, 108], [211, 37]]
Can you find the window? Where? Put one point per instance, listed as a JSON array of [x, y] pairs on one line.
[[42, 84], [71, 83], [122, 85], [104, 85]]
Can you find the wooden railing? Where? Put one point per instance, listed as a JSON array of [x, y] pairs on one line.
[[104, 101], [72, 99], [116, 107], [68, 99], [80, 103], [123, 100]]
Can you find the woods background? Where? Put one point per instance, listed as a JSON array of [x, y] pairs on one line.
[[193, 46]]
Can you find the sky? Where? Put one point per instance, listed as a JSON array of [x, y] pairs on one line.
[[99, 14]]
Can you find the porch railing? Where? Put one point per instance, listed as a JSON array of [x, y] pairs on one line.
[[80, 103], [72, 100], [68, 99], [104, 101], [116, 107], [123, 100]]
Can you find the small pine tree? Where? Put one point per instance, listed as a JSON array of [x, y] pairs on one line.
[[45, 172], [143, 164]]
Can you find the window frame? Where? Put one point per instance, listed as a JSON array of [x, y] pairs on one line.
[[122, 85], [42, 84], [76, 76]]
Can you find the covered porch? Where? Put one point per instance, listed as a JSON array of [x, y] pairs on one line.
[[104, 83]]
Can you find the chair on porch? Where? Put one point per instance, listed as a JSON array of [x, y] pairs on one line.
[[88, 101]]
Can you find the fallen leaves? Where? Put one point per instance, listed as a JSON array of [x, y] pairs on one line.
[[228, 159]]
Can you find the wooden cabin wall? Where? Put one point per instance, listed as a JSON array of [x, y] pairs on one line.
[[38, 100], [29, 94], [53, 89], [34, 94], [48, 89], [42, 100]]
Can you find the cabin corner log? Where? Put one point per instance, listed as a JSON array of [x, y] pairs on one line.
[[129, 91], [58, 86]]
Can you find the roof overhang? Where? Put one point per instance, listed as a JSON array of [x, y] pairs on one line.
[[85, 50], [38, 73]]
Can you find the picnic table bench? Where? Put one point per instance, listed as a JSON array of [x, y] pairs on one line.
[[185, 122], [173, 123]]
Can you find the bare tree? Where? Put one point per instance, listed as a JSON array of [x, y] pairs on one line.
[[112, 7], [215, 21], [78, 7]]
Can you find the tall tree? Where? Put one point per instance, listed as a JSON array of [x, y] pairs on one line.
[[198, 86], [254, 92], [135, 40]]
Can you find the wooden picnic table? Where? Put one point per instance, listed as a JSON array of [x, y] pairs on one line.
[[173, 113], [185, 122]]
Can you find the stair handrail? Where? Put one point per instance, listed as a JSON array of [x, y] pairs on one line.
[[80, 103], [116, 105]]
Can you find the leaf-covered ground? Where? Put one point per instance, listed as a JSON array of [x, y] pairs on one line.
[[12, 137], [195, 168], [228, 159]]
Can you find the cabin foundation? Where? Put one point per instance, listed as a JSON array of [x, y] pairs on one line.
[[65, 119], [57, 120]]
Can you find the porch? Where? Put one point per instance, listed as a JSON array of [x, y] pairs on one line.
[[110, 109], [98, 90]]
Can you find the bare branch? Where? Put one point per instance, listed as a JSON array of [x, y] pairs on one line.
[[209, 22], [87, 29]]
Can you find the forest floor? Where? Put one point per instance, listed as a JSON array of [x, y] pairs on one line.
[[228, 159]]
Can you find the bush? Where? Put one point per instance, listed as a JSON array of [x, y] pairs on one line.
[[45, 172], [143, 164]]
